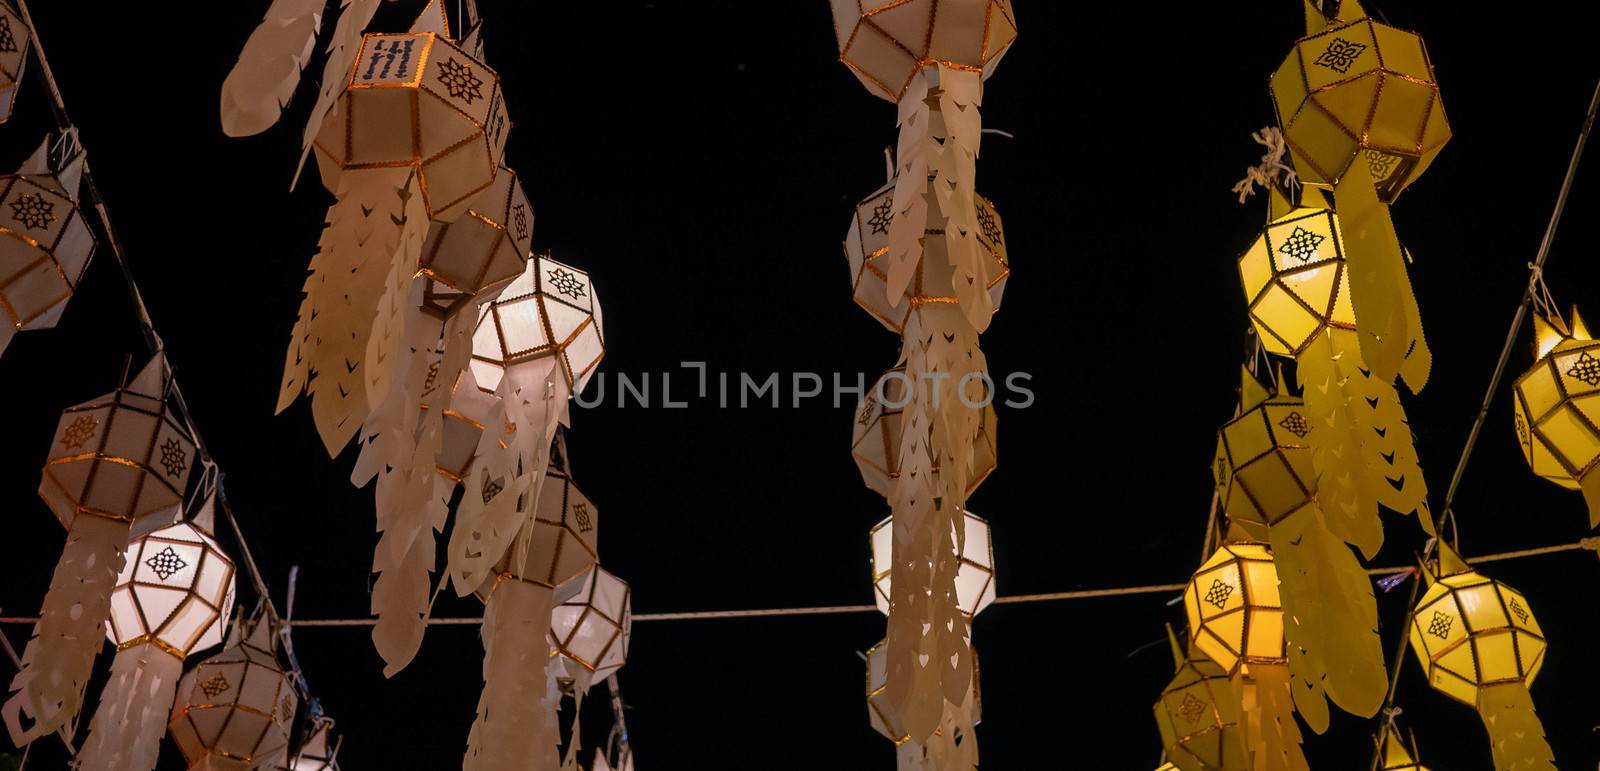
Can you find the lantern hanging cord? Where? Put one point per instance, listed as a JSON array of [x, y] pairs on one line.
[[1529, 297]]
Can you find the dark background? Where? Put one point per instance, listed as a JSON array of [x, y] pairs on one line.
[[701, 159]]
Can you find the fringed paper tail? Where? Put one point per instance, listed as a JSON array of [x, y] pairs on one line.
[[125, 734], [268, 71], [1387, 321], [1345, 484], [1271, 730], [1516, 737], [60, 658], [516, 728]]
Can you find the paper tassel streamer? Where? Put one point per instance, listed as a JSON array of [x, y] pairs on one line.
[[516, 726], [1557, 406], [1479, 643], [974, 573], [591, 625], [1199, 717], [1396, 754], [952, 746], [1236, 619], [268, 71], [44, 241], [878, 435], [354, 16], [1267, 485], [1357, 94], [14, 42], [235, 710], [173, 596], [318, 751], [117, 470]]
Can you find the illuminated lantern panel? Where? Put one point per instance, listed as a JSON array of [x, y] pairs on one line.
[[1235, 616], [44, 241], [1361, 92], [548, 310], [876, 441], [416, 99], [1295, 280], [1198, 716], [1263, 464], [175, 591], [1557, 406], [867, 242], [974, 573], [1469, 632], [593, 621], [236, 709], [14, 42], [885, 42], [481, 251]]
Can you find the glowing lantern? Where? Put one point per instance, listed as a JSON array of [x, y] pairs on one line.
[[1396, 755], [885, 42], [236, 709], [1479, 643], [1356, 91], [14, 42], [44, 241], [1294, 276], [1199, 718], [548, 316], [974, 576], [418, 100], [867, 243], [1558, 408], [592, 626], [481, 251], [876, 444]]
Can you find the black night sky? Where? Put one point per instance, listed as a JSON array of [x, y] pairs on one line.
[[700, 158]]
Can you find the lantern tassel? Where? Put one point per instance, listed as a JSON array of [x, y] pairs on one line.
[[1273, 735], [1516, 736], [125, 733], [354, 16], [1330, 620], [72, 625], [1380, 289], [264, 79], [516, 728]]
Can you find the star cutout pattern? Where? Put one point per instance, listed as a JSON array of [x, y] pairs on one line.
[[519, 220], [1440, 626], [989, 225], [1296, 424], [1301, 244], [79, 432], [580, 513], [1219, 593], [566, 283], [1340, 54], [215, 685], [1520, 612], [33, 211], [1586, 368], [460, 81], [1190, 708], [8, 37], [882, 216], [173, 457], [166, 563]]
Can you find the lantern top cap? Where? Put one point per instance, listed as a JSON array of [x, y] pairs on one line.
[[1550, 330], [59, 161], [1395, 754], [1316, 21], [153, 378], [432, 19], [1450, 564]]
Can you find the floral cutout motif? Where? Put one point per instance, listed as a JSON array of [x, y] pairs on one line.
[[580, 513], [215, 685], [33, 211], [459, 80], [1296, 424], [1440, 627], [1340, 54], [166, 563], [1219, 593], [566, 283], [988, 225], [1585, 368], [882, 216], [79, 432], [173, 457], [1380, 164], [1190, 708], [1301, 244]]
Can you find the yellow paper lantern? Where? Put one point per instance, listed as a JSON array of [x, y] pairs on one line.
[[1357, 91], [1263, 464], [416, 99], [877, 433], [592, 623], [14, 42], [45, 243], [1199, 717], [1294, 275], [867, 242], [974, 572], [235, 710], [885, 42], [480, 252], [1235, 616], [1557, 408]]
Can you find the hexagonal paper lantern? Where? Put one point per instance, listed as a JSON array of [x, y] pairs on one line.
[[175, 592], [876, 443], [14, 42], [1263, 465], [481, 251], [1294, 275], [123, 456], [417, 99], [561, 539], [885, 42], [1199, 717], [1557, 407], [592, 625], [1235, 616], [1360, 92], [549, 310], [236, 709], [1470, 632], [974, 572], [867, 241], [44, 241]]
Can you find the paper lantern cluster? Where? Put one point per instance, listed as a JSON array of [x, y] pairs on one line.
[[45, 242]]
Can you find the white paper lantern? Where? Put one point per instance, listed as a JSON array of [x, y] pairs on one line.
[[592, 625], [236, 710], [885, 42], [482, 251], [548, 315], [174, 592], [44, 241], [974, 573]]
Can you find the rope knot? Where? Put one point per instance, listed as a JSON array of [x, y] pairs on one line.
[[1271, 171]]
